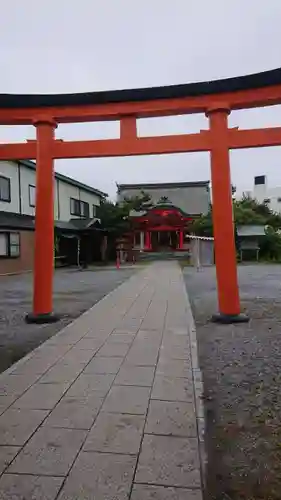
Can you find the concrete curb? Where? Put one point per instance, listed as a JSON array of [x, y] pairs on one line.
[[198, 390]]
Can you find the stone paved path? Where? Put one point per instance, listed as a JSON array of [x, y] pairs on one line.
[[109, 408]]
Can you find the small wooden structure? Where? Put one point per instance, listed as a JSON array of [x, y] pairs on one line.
[[249, 240]]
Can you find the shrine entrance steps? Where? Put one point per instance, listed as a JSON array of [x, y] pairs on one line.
[[110, 407], [164, 255]]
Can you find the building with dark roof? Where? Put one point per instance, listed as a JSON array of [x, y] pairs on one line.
[[191, 197], [75, 208]]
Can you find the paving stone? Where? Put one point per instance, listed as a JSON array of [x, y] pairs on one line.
[[145, 492], [61, 373], [142, 356], [175, 352], [41, 396], [19, 487], [75, 413], [11, 385], [176, 330], [99, 476], [156, 323], [37, 365], [135, 375], [143, 344], [171, 461], [149, 335], [175, 317], [51, 351], [171, 419], [115, 349], [49, 452], [123, 338], [7, 454], [5, 402], [17, 425], [86, 384], [172, 340], [78, 355], [131, 326], [125, 399], [124, 331], [70, 337], [92, 344], [102, 337], [98, 333], [116, 433], [104, 365], [172, 389], [174, 368]]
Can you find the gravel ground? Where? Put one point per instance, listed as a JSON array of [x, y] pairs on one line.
[[242, 373], [74, 293]]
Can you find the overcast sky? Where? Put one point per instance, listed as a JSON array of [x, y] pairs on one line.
[[57, 46]]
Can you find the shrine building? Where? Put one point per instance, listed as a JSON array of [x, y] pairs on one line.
[[164, 222]]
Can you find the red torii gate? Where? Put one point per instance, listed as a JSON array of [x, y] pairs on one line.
[[216, 99]]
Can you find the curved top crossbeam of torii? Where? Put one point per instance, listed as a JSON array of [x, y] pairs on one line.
[[126, 106], [225, 88]]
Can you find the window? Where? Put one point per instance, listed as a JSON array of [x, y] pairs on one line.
[[5, 189], [79, 208], [84, 209], [14, 244], [259, 180], [3, 245], [94, 211], [31, 193], [74, 206], [279, 200], [9, 244]]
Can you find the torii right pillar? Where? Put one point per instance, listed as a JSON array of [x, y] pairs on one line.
[[225, 251]]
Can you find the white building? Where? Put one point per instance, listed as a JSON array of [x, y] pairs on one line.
[[75, 208], [262, 192], [73, 199]]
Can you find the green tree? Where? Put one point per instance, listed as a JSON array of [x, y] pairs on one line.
[[136, 202], [248, 211], [270, 246], [163, 199], [203, 226], [114, 216]]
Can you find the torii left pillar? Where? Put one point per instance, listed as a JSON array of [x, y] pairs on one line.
[[44, 225]]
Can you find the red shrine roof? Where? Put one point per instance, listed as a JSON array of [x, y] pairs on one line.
[[162, 215], [161, 209]]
